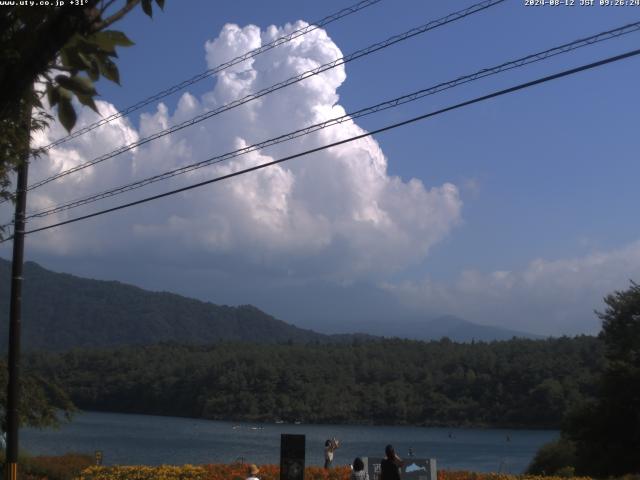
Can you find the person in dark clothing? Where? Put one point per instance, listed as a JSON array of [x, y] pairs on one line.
[[390, 466]]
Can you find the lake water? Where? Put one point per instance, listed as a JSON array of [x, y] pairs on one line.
[[152, 440]]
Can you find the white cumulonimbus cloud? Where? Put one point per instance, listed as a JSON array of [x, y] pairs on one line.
[[336, 213]]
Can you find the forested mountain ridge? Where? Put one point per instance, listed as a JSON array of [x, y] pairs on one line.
[[516, 383], [62, 311]]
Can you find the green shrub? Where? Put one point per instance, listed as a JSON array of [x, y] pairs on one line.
[[554, 458], [566, 472]]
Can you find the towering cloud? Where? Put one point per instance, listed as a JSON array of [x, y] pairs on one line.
[[336, 214]]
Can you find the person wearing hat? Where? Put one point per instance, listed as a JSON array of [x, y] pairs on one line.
[[253, 472]]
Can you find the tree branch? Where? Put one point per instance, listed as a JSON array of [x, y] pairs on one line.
[[105, 6], [96, 27]]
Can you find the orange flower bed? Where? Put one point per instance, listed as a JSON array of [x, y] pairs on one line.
[[272, 472], [164, 472], [205, 472], [267, 472]]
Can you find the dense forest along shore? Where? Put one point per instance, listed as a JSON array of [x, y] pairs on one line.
[[508, 384]]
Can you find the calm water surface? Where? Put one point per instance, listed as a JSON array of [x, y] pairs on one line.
[[152, 440]]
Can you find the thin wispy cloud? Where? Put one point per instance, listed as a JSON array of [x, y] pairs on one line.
[[547, 297]]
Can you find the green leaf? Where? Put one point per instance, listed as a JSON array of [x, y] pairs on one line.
[[67, 49], [64, 57], [77, 84], [53, 95], [63, 80], [85, 59], [87, 100], [92, 66], [146, 7], [63, 93], [100, 45], [72, 53], [160, 4], [71, 60], [90, 45], [108, 69], [108, 40], [84, 85], [112, 37], [96, 44], [66, 113]]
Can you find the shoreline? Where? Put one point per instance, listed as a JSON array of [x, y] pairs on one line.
[[275, 421]]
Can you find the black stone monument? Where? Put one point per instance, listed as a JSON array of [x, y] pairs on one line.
[[292, 448]]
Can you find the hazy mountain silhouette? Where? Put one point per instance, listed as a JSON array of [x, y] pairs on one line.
[[63, 311]]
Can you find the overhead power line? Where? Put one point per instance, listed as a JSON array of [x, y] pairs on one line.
[[520, 62], [290, 81], [498, 93], [215, 70]]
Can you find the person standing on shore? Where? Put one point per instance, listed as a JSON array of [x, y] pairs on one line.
[[330, 446], [253, 472], [390, 465]]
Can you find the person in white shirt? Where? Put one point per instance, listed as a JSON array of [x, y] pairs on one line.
[[330, 446]]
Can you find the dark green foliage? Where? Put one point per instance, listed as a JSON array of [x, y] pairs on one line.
[[607, 431], [507, 383], [554, 457], [81, 43], [57, 52], [42, 399]]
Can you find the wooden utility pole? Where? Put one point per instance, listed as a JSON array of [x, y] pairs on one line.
[[15, 312]]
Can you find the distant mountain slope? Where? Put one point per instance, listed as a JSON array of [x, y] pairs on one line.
[[61, 311], [463, 331], [434, 328]]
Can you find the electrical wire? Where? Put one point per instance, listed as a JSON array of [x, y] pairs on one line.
[[498, 93], [219, 68], [520, 62], [290, 81]]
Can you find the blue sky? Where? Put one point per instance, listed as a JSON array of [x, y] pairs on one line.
[[546, 177]]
